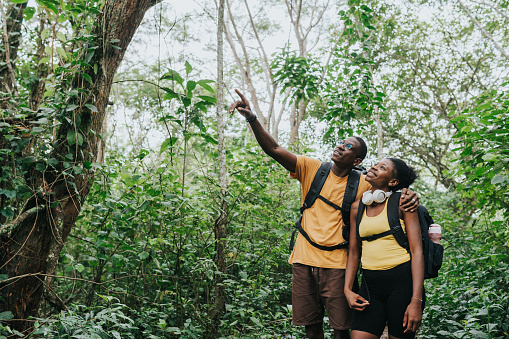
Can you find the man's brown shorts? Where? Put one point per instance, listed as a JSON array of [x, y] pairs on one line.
[[314, 289]]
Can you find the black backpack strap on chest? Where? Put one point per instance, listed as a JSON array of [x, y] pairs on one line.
[[395, 226], [316, 186], [314, 193], [360, 212], [393, 216], [350, 194]]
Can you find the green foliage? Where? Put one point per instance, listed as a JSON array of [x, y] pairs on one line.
[[469, 299], [298, 75], [349, 89], [483, 130], [140, 262]]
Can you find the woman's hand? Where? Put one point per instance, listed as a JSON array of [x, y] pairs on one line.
[[413, 316], [355, 301]]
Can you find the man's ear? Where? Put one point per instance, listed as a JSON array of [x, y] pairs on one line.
[[357, 161], [393, 182]]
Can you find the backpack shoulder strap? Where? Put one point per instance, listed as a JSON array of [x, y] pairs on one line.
[[393, 216], [360, 212], [395, 228], [316, 186], [350, 194]]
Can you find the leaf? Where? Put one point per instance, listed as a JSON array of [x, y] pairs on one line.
[[7, 315], [89, 56], [28, 13], [498, 179], [186, 101], [9, 194], [479, 334], [92, 107], [50, 4], [170, 94], [173, 75], [169, 142], [62, 53], [79, 137], [207, 98], [80, 268], [209, 138], [71, 137], [189, 68], [206, 87], [87, 78], [41, 121], [52, 162], [191, 85]]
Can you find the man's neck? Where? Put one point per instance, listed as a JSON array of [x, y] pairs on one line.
[[340, 171]]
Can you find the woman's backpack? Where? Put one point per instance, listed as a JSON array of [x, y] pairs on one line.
[[433, 252]]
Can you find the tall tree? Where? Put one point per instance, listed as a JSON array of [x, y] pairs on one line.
[[31, 243], [222, 219]]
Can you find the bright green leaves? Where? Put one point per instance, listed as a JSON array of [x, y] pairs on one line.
[[300, 75], [173, 76], [189, 68], [350, 91], [192, 98], [50, 4], [483, 142], [168, 144]]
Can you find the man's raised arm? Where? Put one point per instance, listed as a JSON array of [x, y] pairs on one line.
[[266, 141]]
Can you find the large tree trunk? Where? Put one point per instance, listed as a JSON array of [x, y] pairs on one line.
[[30, 246]]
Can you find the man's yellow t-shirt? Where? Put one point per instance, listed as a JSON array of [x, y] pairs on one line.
[[322, 222]]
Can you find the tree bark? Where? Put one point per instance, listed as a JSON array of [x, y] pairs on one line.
[[222, 219], [35, 242], [12, 19]]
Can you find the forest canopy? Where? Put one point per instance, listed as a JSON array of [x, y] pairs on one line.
[[133, 205]]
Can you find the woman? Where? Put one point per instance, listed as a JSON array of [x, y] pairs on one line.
[[392, 278]]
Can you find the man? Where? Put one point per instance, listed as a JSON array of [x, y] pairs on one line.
[[318, 276]]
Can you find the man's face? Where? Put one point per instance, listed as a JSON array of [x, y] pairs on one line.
[[347, 152]]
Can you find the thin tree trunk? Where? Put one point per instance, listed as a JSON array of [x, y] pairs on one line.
[[379, 133], [222, 219]]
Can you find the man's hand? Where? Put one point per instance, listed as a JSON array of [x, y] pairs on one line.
[[409, 200], [242, 106]]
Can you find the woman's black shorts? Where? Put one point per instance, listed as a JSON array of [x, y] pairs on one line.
[[389, 293]]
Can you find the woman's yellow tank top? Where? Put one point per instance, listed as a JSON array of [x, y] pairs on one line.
[[383, 253]]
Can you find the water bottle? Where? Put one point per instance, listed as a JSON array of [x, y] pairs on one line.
[[435, 233]]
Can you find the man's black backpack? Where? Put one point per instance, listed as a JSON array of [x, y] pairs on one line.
[[314, 192], [433, 253]]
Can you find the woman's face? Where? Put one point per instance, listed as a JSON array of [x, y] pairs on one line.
[[382, 174]]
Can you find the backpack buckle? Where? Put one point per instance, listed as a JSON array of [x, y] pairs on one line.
[[369, 238], [303, 208]]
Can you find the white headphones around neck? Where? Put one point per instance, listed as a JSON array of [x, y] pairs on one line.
[[377, 196]]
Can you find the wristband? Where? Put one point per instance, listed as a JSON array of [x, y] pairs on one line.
[[417, 299], [251, 118]]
